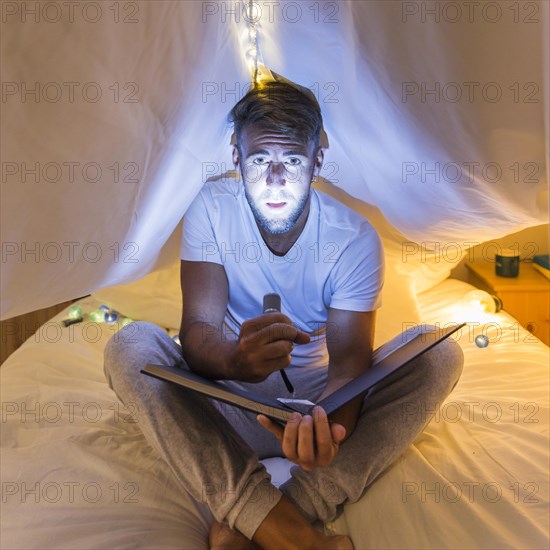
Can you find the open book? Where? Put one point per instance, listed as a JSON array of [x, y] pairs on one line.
[[384, 362]]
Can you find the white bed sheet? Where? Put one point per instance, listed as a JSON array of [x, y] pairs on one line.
[[77, 473]]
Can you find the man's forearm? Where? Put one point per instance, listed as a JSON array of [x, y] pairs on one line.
[[207, 351]]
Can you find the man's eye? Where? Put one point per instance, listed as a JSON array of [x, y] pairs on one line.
[[260, 161], [294, 161]]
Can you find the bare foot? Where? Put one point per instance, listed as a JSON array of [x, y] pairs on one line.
[[286, 528], [338, 542], [223, 537]]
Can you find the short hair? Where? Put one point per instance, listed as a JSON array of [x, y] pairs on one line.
[[281, 107]]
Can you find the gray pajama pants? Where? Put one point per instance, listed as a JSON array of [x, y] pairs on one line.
[[214, 448]]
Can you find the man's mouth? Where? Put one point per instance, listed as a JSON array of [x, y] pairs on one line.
[[276, 204]]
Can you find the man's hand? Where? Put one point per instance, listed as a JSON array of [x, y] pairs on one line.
[[307, 441], [264, 346]]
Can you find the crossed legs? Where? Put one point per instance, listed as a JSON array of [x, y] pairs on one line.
[[215, 450]]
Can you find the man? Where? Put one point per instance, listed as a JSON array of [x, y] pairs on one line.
[[269, 231]]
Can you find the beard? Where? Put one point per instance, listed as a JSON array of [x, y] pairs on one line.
[[277, 226]]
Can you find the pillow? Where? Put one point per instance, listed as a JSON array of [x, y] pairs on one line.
[[155, 297], [429, 263]]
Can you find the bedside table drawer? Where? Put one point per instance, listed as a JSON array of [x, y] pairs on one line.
[[531, 309]]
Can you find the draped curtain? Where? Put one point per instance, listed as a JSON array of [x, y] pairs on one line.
[[113, 115]]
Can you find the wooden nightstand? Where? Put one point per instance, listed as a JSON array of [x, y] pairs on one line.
[[526, 297]]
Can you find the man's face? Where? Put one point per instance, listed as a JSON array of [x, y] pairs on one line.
[[277, 172]]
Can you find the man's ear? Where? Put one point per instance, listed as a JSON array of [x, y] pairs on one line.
[[235, 156], [318, 161]]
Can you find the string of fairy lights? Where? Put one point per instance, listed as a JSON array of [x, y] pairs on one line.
[[253, 50]]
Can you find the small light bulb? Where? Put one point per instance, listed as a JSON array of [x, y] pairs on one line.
[[97, 316], [111, 317], [75, 312], [481, 302], [481, 341]]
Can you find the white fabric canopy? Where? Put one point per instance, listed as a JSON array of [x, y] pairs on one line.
[[114, 115]]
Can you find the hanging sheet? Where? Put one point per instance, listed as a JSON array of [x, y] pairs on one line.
[[114, 116]]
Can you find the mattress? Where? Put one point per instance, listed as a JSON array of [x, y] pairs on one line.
[[77, 473]]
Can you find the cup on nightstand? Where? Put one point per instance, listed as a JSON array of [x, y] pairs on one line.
[[507, 263]]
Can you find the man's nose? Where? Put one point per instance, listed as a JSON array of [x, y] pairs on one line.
[[276, 173]]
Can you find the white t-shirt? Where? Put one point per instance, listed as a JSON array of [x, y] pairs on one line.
[[337, 261]]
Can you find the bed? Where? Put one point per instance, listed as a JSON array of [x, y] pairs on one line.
[[78, 474]]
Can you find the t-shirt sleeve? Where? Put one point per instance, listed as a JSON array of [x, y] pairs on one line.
[[358, 276], [198, 243]]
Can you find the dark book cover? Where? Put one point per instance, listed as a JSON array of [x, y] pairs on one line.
[[384, 362]]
